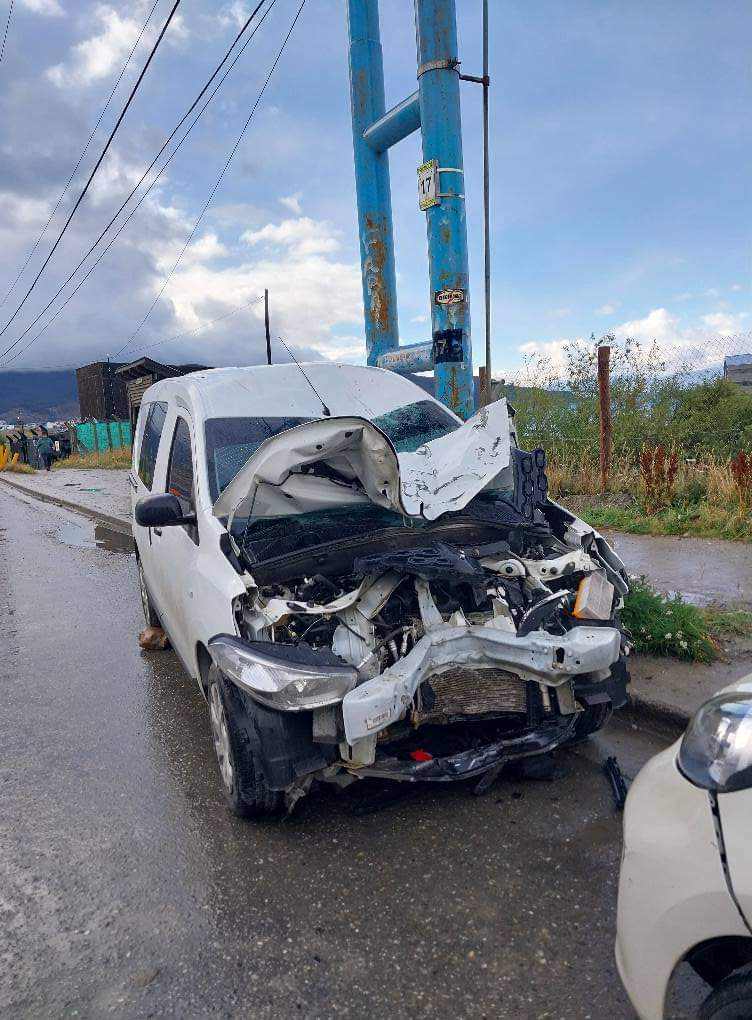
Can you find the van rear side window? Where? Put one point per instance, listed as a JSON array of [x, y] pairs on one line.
[[150, 442]]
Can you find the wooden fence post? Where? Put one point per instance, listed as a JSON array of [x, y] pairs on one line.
[[604, 407], [482, 390]]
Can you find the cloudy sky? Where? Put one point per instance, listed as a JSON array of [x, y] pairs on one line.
[[621, 174]]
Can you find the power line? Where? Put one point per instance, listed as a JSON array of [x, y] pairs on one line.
[[204, 325], [98, 163], [63, 193], [218, 180], [191, 332], [92, 247], [5, 35]]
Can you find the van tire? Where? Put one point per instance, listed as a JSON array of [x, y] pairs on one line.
[[150, 614], [590, 720], [246, 790], [731, 1000]]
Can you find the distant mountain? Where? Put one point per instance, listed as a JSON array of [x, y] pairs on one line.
[[40, 396]]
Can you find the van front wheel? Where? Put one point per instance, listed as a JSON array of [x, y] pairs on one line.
[[231, 713]]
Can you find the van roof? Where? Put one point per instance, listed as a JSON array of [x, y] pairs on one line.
[[288, 389]]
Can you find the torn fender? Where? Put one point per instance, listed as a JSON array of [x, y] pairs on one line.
[[363, 466]]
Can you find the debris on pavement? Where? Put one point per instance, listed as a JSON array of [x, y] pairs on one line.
[[616, 779], [153, 639]]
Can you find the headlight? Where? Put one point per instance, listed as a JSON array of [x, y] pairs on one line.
[[716, 752], [285, 677]]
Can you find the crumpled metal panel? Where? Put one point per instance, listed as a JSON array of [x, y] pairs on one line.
[[546, 658], [440, 476]]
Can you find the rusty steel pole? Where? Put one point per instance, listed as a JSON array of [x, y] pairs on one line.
[[446, 227], [486, 209], [372, 180]]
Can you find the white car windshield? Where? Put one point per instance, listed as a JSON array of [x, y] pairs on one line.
[[231, 441]]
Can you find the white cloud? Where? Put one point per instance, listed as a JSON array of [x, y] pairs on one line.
[[736, 287], [724, 323], [23, 212], [235, 13], [700, 344], [608, 309], [301, 237], [659, 325], [99, 55], [560, 313], [95, 57], [49, 8], [292, 202], [419, 319], [316, 301], [546, 354]]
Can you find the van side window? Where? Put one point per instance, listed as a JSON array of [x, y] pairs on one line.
[[150, 442], [180, 470]]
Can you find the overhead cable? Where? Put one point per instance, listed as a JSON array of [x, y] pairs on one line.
[[97, 165], [190, 127], [204, 325], [5, 34], [63, 193], [218, 180]]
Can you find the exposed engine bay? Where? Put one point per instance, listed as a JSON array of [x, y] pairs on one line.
[[434, 644]]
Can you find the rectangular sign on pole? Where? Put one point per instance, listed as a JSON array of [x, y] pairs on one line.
[[428, 184]]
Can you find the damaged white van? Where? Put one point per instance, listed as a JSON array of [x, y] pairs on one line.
[[364, 585]]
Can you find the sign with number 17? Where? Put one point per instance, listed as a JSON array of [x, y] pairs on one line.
[[428, 184]]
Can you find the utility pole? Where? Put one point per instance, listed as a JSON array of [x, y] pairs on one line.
[[266, 326], [486, 206], [441, 127], [372, 180], [435, 110]]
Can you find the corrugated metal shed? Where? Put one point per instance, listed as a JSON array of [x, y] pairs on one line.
[[101, 391], [139, 375]]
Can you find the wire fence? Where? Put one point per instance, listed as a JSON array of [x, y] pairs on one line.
[[696, 398]]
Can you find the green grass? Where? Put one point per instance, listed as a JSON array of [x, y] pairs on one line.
[[662, 625], [728, 622], [699, 521], [118, 459]]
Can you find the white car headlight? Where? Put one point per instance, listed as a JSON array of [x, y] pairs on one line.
[[716, 751], [287, 677]]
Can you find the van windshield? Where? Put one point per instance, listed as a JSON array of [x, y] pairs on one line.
[[231, 441]]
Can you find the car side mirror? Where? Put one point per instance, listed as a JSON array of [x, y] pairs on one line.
[[161, 511]]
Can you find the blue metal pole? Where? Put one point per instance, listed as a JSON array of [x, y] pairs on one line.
[[372, 180], [439, 95]]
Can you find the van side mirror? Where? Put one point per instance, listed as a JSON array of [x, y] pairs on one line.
[[161, 511]]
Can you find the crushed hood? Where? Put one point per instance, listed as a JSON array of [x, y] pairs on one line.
[[356, 463]]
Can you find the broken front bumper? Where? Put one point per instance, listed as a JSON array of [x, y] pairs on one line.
[[539, 657], [476, 761]]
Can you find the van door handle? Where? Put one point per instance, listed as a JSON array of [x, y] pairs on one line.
[[157, 531]]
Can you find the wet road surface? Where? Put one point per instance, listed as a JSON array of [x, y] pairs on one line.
[[705, 571], [127, 889]]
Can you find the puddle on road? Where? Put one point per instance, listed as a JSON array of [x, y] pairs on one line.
[[92, 535]]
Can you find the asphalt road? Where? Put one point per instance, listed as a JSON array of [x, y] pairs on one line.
[[127, 889]]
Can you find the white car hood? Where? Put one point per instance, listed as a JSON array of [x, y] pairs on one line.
[[442, 475]]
